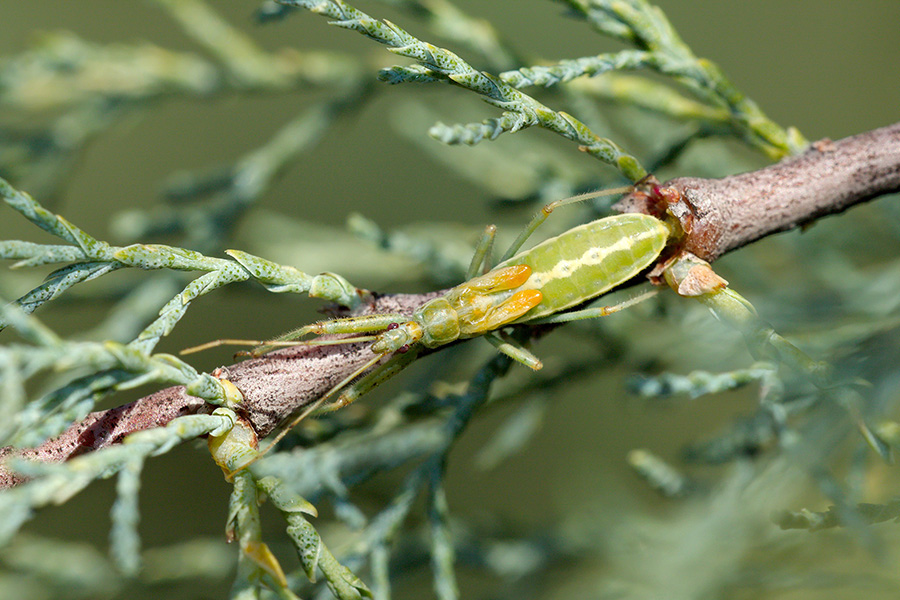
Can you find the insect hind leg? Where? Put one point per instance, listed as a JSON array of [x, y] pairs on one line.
[[594, 312], [538, 219]]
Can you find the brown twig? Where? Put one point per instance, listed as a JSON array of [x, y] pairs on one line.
[[718, 215]]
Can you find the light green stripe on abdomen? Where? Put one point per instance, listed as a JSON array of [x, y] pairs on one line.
[[588, 260]]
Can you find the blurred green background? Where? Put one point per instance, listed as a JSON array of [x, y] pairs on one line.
[[830, 69]]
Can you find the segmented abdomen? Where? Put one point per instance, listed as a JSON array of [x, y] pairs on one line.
[[590, 259]]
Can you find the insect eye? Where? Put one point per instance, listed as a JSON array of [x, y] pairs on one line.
[[403, 349], [393, 326]]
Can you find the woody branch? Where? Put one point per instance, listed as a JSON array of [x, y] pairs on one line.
[[718, 215]]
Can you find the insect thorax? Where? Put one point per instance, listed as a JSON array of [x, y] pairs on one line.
[[439, 321]]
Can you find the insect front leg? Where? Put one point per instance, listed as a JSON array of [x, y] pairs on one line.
[[373, 378], [347, 325]]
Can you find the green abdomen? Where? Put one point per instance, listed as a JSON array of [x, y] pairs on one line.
[[588, 260]]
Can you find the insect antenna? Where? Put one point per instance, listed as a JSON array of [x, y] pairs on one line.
[[268, 344]]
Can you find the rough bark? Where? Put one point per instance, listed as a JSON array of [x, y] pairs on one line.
[[273, 386], [718, 215]]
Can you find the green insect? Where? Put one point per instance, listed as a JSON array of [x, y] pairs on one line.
[[534, 286]]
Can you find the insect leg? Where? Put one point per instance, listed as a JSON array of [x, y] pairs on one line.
[[375, 377], [481, 260], [542, 215], [595, 312], [514, 351], [308, 410], [361, 325]]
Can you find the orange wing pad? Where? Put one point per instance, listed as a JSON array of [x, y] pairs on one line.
[[507, 278], [520, 303]]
